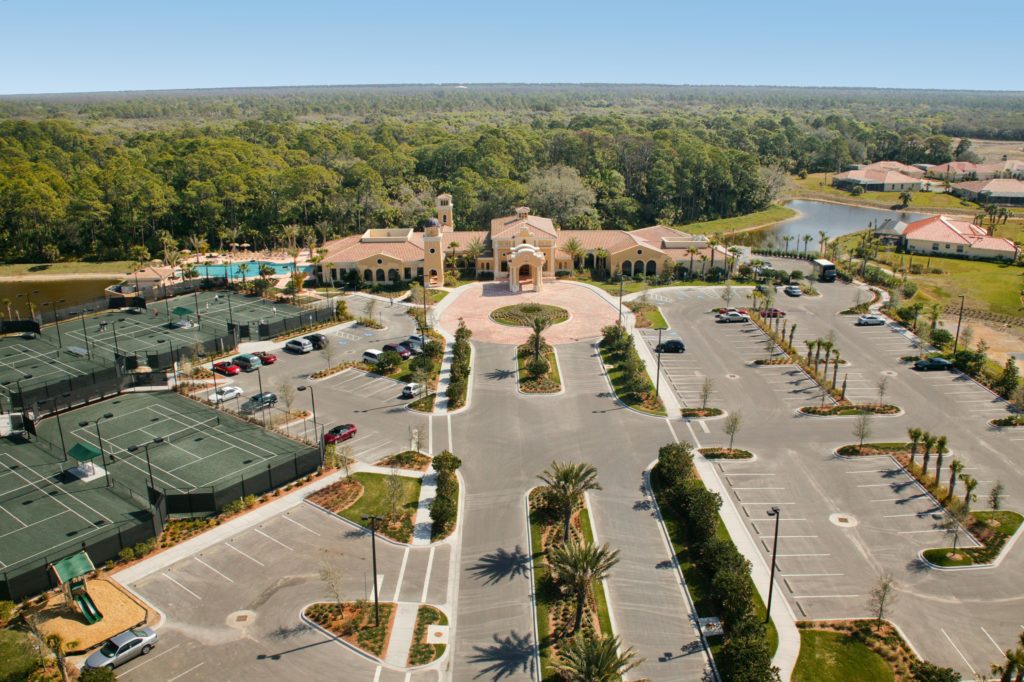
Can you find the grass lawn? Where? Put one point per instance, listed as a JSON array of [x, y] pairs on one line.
[[813, 187], [18, 658], [114, 268], [772, 214], [617, 378], [375, 500], [549, 383], [1003, 524], [838, 657]]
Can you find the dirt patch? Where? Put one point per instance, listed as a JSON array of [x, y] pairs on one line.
[[1001, 340], [120, 612]]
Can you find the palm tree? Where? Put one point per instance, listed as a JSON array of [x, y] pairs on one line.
[[575, 249], [940, 450], [592, 658], [735, 252], [703, 265], [819, 344], [787, 238], [934, 311], [199, 245], [929, 443], [453, 246], [915, 435], [242, 269], [7, 304], [828, 345], [566, 482], [970, 483], [712, 243], [956, 467], [692, 252], [822, 240], [807, 240], [811, 345], [577, 566], [474, 250], [537, 339], [835, 367]]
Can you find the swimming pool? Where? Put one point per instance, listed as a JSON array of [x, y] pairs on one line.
[[252, 269]]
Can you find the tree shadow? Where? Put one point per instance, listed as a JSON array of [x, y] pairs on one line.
[[501, 374], [499, 564], [289, 631], [917, 565], [505, 657]]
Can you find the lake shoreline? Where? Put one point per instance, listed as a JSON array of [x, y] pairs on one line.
[[56, 277]]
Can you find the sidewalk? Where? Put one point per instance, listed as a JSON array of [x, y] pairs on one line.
[[421, 530], [401, 635]]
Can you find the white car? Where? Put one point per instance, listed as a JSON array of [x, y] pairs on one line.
[[870, 321], [411, 390], [732, 316], [225, 393]]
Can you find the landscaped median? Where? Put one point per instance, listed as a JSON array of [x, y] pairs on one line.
[[716, 574], [462, 352], [626, 371], [356, 623], [392, 497], [726, 453], [849, 410], [568, 572], [647, 314], [992, 529]]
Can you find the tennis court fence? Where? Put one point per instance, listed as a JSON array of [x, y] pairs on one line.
[[62, 394], [209, 500]]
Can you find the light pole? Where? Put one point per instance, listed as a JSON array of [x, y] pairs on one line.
[[60, 429], [777, 513], [621, 283], [56, 322], [958, 321], [28, 301], [117, 351], [86, 331], [149, 464], [316, 434], [259, 377], [103, 458], [657, 374], [373, 549]]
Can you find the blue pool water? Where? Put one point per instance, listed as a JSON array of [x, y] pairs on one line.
[[252, 269]]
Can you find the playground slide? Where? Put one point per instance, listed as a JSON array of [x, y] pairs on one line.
[[88, 608]]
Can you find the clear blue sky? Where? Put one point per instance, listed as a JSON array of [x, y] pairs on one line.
[[83, 45]]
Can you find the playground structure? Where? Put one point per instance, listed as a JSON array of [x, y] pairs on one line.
[[70, 572]]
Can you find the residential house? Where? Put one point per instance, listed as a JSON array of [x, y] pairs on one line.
[[998, 191], [956, 236], [877, 180]]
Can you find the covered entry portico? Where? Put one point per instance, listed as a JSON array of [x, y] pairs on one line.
[[525, 264]]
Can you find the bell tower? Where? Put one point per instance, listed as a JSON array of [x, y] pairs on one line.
[[445, 207], [433, 253]]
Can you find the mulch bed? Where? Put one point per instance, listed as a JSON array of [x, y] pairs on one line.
[[726, 453], [849, 410], [410, 459], [354, 623], [338, 496], [700, 413]]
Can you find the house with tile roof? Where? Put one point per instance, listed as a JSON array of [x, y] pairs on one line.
[[521, 248], [1007, 191], [956, 236], [911, 171], [877, 180]]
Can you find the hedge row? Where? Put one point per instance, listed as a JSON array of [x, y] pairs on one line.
[[459, 382], [444, 509]]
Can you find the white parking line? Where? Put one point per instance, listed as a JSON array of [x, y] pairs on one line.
[[874, 485], [288, 518], [950, 640], [273, 539], [182, 586], [401, 574], [826, 596], [992, 640], [214, 570], [913, 532], [811, 575], [766, 488], [230, 546], [127, 671], [797, 555], [195, 667], [426, 577], [898, 516]]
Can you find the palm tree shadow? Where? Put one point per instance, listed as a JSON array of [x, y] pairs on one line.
[[500, 564], [500, 374], [505, 657]]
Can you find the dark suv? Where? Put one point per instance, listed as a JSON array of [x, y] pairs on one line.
[[318, 341], [670, 346]]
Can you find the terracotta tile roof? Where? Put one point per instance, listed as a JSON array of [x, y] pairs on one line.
[[952, 230], [888, 177], [996, 186], [350, 249], [538, 226], [912, 171], [591, 240], [463, 238], [953, 168]]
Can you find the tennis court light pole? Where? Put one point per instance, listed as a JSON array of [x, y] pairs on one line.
[[149, 464], [56, 322], [85, 330], [373, 549], [103, 457], [60, 429], [316, 434], [259, 377]]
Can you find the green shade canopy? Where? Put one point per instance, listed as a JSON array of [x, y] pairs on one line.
[[181, 311], [84, 452], [73, 567]]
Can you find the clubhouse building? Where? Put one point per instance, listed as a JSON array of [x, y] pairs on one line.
[[522, 249]]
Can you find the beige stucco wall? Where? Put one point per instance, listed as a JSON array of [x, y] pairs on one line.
[[633, 254], [924, 247]]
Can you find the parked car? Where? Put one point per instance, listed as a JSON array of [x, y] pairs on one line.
[[933, 365], [413, 348], [741, 311], [226, 367], [225, 393], [411, 390], [122, 648], [398, 348], [732, 316], [300, 346], [265, 357], [371, 356], [765, 288], [793, 290], [339, 433], [870, 321], [260, 401], [417, 340], [248, 362], [318, 341], [670, 346], [774, 312]]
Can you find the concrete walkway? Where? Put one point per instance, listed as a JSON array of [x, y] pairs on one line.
[[422, 523], [402, 631]]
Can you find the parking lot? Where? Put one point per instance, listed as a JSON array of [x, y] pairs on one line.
[[235, 604]]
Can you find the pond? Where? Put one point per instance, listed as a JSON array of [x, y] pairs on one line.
[[73, 291], [833, 219]]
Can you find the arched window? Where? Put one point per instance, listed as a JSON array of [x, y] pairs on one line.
[[652, 268], [380, 274], [368, 275], [627, 268], [393, 274], [588, 261], [638, 267]]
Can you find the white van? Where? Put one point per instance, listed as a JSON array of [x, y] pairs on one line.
[[371, 356], [299, 346]]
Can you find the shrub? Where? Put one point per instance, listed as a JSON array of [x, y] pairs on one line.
[[388, 361], [97, 675], [675, 463], [126, 554], [941, 338], [538, 367], [446, 461], [433, 349], [796, 275], [442, 511], [6, 612], [234, 507]]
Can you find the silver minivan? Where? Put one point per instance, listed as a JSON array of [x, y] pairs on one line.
[[299, 346], [247, 362], [371, 356]]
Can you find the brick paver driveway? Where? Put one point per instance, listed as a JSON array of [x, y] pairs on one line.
[[588, 312]]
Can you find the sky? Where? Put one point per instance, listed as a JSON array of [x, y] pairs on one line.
[[100, 45]]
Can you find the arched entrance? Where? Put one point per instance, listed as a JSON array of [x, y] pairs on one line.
[[525, 265], [524, 273]]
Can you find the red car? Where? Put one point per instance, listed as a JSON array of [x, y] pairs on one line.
[[774, 312], [265, 357], [339, 433], [398, 348], [227, 368], [741, 311]]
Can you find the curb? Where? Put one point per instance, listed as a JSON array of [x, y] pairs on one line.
[[873, 415], [533, 584]]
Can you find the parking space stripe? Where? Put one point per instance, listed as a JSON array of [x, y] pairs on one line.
[[826, 596], [128, 671], [992, 640], [195, 667], [273, 539], [182, 586], [288, 518], [797, 555], [426, 576], [230, 546], [952, 644], [811, 575], [214, 570]]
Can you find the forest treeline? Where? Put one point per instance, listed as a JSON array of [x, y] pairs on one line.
[[78, 181]]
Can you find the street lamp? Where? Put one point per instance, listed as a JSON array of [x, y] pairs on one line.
[[958, 321], [259, 377], [149, 464], [60, 429], [56, 322], [777, 513], [373, 545], [316, 434], [103, 458], [621, 284], [85, 330], [657, 374]]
